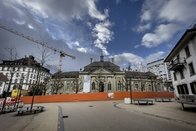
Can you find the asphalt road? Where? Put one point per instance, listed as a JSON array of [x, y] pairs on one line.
[[106, 116], [89, 116]]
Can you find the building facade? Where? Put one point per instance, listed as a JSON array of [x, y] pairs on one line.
[[23, 72], [182, 61], [105, 76], [161, 70], [3, 80]]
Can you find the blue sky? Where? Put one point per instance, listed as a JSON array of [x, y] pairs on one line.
[[130, 31]]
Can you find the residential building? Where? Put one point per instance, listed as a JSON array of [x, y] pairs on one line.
[[23, 72], [182, 61], [160, 69], [3, 80], [106, 76]]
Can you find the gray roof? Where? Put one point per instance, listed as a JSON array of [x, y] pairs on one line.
[[144, 75], [72, 74], [27, 61], [102, 64]]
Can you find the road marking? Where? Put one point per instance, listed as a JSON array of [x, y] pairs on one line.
[[60, 126]]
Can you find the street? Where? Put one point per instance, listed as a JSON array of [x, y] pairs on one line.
[[91, 116]]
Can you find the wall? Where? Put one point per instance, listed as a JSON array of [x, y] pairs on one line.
[[93, 97]]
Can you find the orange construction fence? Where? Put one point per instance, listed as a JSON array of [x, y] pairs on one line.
[[95, 97]]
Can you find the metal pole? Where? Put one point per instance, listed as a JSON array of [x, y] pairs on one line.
[[130, 91], [6, 94], [34, 91]]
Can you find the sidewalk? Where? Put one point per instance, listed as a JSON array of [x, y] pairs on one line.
[[165, 110]]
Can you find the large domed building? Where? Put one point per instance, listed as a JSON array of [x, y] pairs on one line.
[[104, 76]]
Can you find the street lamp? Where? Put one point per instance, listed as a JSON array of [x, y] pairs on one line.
[[8, 89], [19, 91], [130, 90]]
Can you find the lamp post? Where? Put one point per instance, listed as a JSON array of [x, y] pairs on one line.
[[130, 90], [8, 89], [19, 91]]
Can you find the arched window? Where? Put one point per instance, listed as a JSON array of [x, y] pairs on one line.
[[119, 85], [136, 87], [109, 86], [93, 86]]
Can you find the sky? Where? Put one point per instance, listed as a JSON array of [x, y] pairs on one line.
[[132, 32]]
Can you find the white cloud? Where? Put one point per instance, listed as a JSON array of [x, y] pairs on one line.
[[142, 28], [83, 50], [178, 10], [128, 57], [30, 26], [19, 21], [146, 16], [162, 34], [178, 14], [94, 13], [103, 35], [136, 59], [154, 56]]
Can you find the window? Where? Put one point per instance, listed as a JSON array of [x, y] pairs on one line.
[[191, 69], [109, 86], [175, 78], [31, 75], [187, 51], [93, 86], [1, 83], [16, 80], [181, 74], [193, 87], [119, 85], [182, 89], [23, 68], [17, 74]]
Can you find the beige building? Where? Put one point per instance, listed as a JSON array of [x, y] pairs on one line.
[[104, 76]]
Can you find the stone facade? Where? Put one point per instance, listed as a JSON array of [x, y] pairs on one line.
[[105, 76]]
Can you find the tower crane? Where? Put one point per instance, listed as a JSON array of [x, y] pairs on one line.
[[62, 53]]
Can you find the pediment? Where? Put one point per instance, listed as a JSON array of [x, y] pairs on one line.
[[101, 71]]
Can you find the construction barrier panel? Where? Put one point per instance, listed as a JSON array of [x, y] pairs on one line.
[[95, 97]]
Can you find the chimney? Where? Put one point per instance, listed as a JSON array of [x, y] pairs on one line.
[[102, 58], [91, 60]]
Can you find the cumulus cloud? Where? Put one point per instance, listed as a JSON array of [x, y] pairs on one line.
[[154, 56], [142, 28], [161, 34], [178, 10], [59, 23], [103, 35], [168, 18], [83, 50], [136, 59]]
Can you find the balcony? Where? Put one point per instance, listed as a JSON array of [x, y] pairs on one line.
[[177, 64]]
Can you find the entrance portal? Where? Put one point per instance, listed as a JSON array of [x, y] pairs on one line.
[[101, 87]]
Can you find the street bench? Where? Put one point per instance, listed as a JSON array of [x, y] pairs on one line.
[[142, 101], [163, 99], [27, 109]]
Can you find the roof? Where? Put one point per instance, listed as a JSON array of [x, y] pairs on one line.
[[72, 74], [27, 61], [144, 75], [155, 61], [3, 77], [189, 34], [102, 64]]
